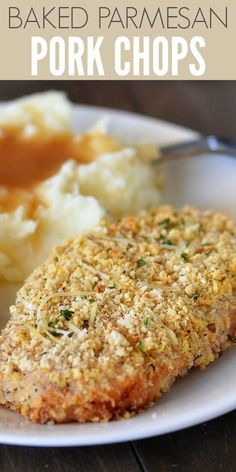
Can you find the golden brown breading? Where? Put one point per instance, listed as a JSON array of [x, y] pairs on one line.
[[111, 319]]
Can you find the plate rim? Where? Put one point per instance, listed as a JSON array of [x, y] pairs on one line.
[[152, 119], [77, 441]]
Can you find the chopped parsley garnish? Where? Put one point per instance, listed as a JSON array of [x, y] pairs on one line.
[[92, 300], [140, 345], [206, 244], [51, 324], [94, 284], [67, 314], [147, 323], [160, 238], [195, 296], [168, 242], [165, 223], [200, 227], [182, 221], [185, 256], [55, 334], [141, 262], [111, 287]]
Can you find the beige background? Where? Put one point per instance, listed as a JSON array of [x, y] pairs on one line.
[[15, 45]]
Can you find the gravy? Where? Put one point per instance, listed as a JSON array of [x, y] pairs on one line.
[[26, 161]]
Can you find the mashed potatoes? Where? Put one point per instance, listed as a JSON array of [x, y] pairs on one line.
[[49, 111], [73, 200]]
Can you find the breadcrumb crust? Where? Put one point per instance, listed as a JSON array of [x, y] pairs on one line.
[[106, 325]]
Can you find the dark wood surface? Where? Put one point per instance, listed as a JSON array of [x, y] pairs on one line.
[[209, 107]]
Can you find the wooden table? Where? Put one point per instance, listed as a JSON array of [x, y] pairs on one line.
[[209, 107]]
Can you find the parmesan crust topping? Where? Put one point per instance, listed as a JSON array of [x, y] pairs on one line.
[[125, 309]]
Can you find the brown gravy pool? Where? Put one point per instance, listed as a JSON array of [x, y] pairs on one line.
[[26, 161]]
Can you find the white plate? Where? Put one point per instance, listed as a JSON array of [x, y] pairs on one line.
[[208, 182]]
